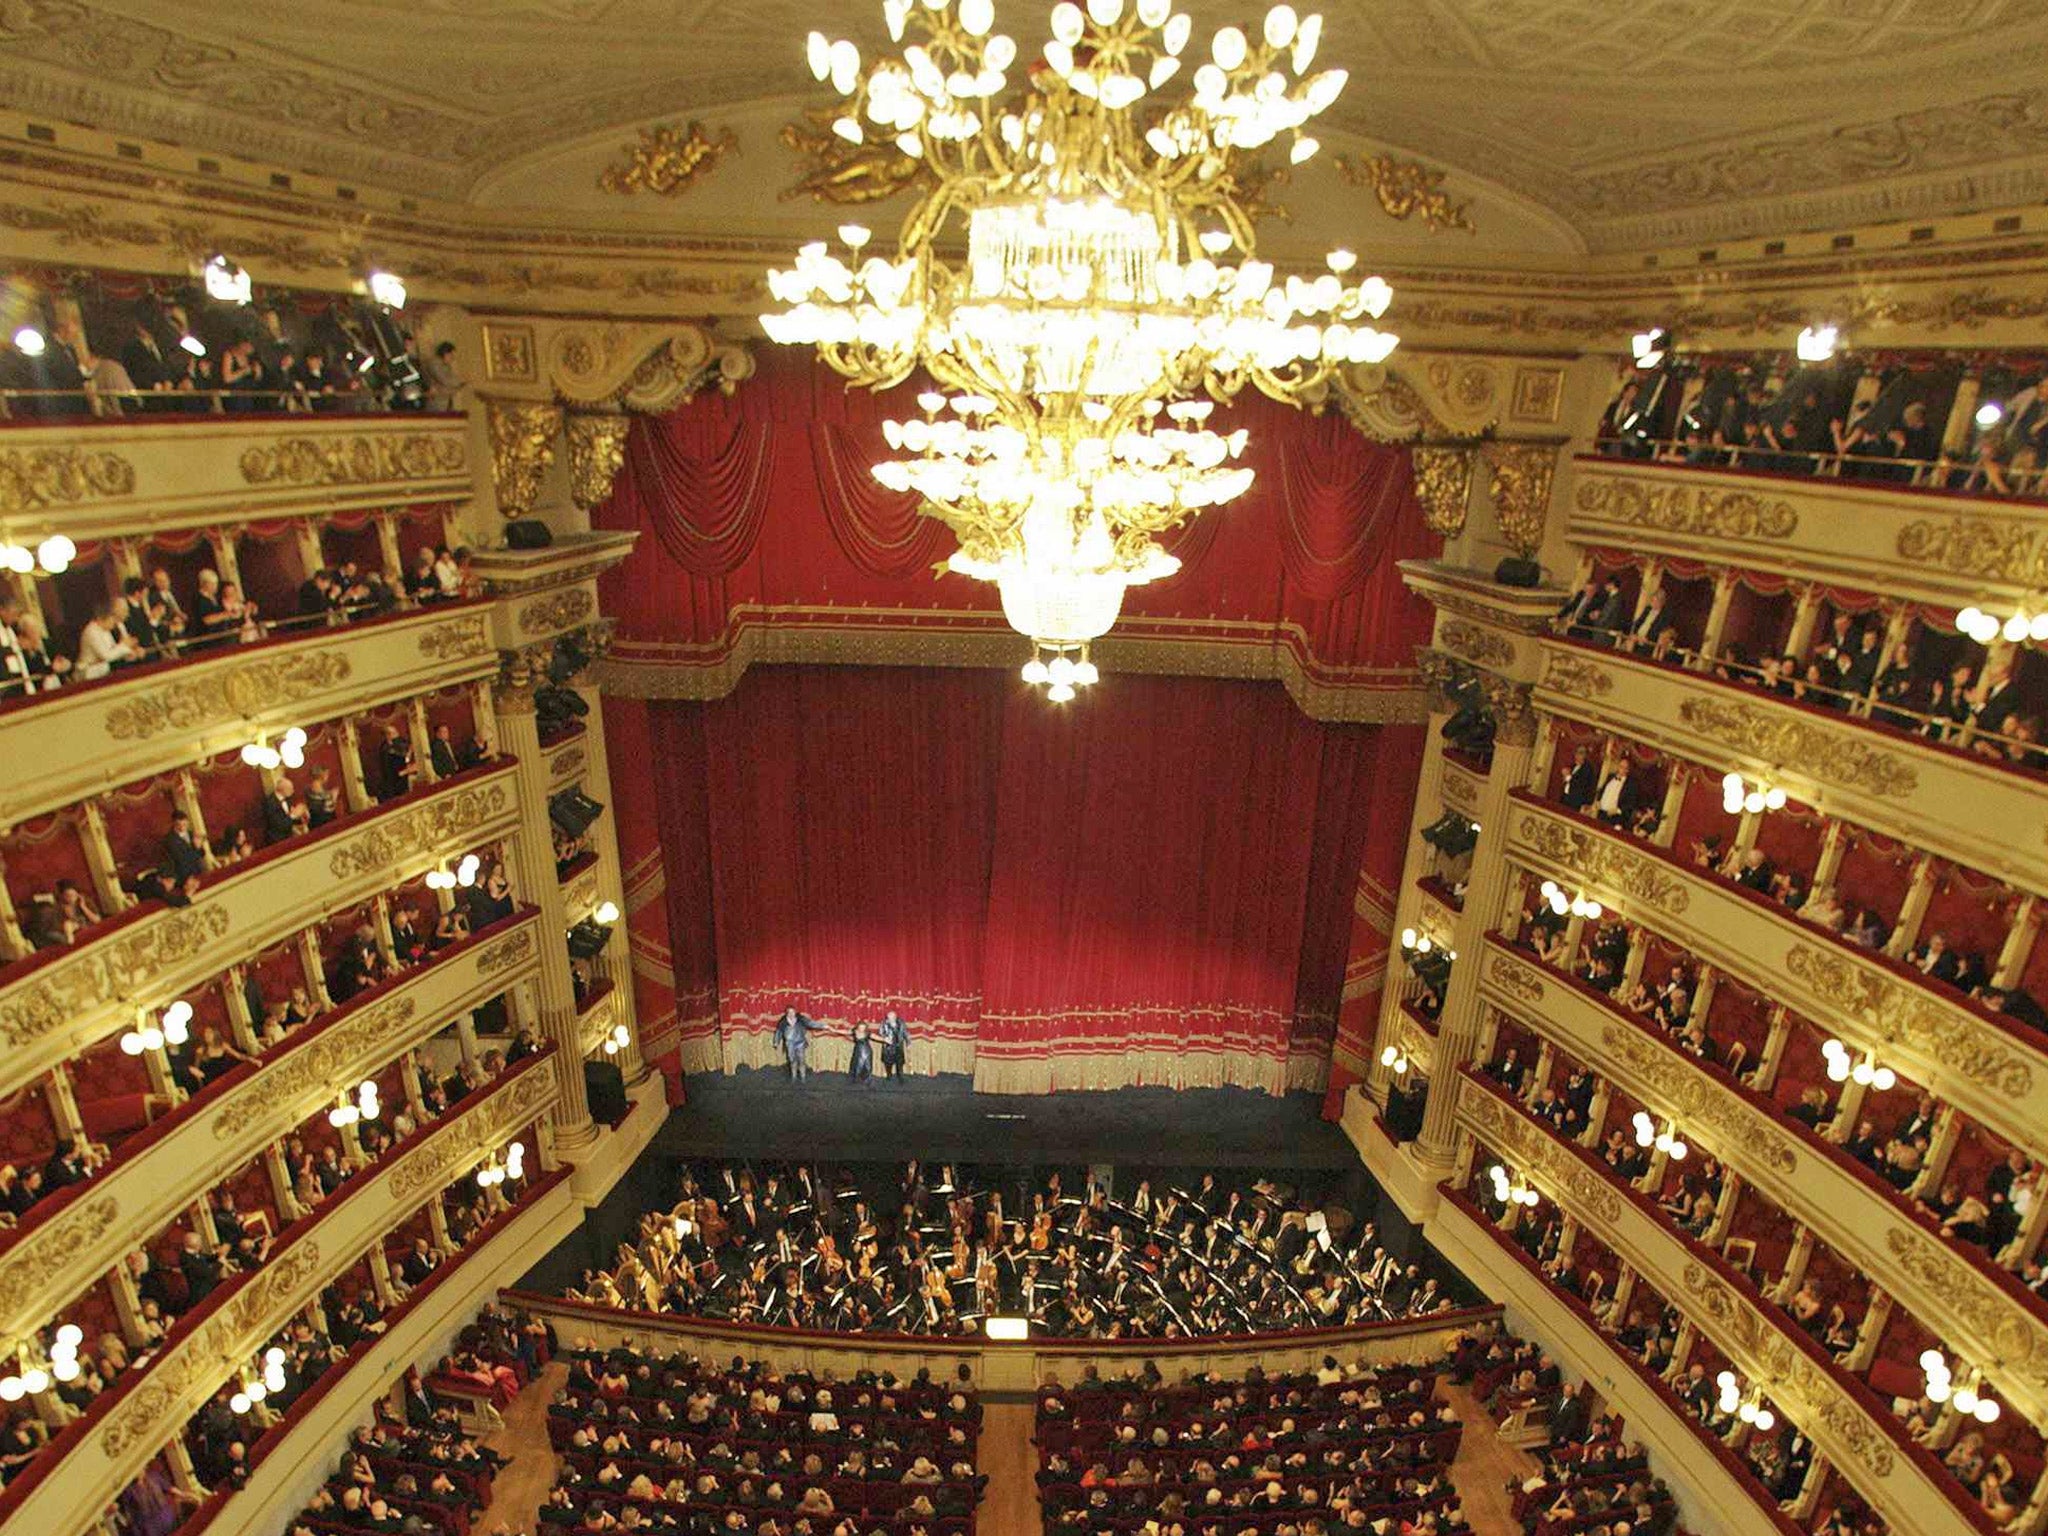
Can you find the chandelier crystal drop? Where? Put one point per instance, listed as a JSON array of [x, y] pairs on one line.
[[1080, 265]]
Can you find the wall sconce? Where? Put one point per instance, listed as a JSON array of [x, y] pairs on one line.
[[257, 1385], [1817, 343], [1395, 1059], [1985, 627], [1739, 796], [363, 1107], [1648, 347], [1966, 1399], [1748, 1408], [512, 1169], [1665, 1141], [290, 752], [1575, 906], [1511, 1190], [36, 1372], [607, 913], [174, 1028], [465, 874], [617, 1040], [386, 288], [54, 555], [1844, 1067], [225, 282]]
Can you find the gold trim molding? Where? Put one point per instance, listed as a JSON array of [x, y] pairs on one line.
[[1701, 511], [668, 160], [39, 479], [369, 459]]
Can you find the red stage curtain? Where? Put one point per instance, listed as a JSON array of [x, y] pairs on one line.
[[1157, 886], [644, 876], [879, 530]]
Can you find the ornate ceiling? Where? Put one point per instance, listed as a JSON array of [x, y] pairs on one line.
[[1623, 125]]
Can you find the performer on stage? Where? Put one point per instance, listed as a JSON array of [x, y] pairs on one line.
[[794, 1031], [894, 1035], [860, 1065]]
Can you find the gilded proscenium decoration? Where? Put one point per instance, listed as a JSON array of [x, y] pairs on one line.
[[153, 1411], [832, 170], [242, 691], [1704, 511], [1407, 189], [1595, 859], [597, 447], [522, 447], [1686, 1096], [368, 459], [1514, 715], [478, 1132], [122, 966], [1988, 548], [426, 829], [40, 479], [2006, 1339], [556, 611], [308, 1074], [1894, 1013], [1443, 485], [668, 160], [1475, 643], [1832, 756], [458, 639], [1519, 476], [34, 1262], [1577, 677], [1538, 1154]]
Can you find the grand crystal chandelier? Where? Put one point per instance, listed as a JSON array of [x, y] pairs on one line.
[[1078, 270]]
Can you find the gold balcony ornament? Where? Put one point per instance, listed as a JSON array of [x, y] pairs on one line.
[[1519, 477], [1407, 189], [522, 447], [597, 448], [1443, 485], [668, 161], [1079, 262]]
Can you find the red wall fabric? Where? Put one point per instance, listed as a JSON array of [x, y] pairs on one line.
[[1154, 886]]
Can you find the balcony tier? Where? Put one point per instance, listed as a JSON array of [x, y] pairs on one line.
[[1991, 1068], [93, 1459], [80, 741], [1931, 546], [1984, 1312], [63, 1000], [1947, 802], [134, 477], [1846, 1421], [162, 1171]]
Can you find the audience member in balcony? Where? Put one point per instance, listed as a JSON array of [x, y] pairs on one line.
[[203, 1267], [245, 1233], [30, 664], [360, 965], [490, 899], [283, 817], [1867, 930], [1642, 630], [1617, 798], [396, 769], [451, 571], [211, 622], [441, 752], [1580, 780], [184, 860], [408, 946], [104, 642], [451, 928], [240, 374], [445, 382], [56, 920]]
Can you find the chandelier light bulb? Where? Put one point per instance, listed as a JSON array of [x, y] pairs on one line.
[[1883, 1079], [70, 1336], [35, 1379], [818, 54], [1422, 945], [1747, 1413], [56, 553], [388, 289], [17, 558], [1965, 1400], [607, 912], [1817, 343], [29, 342], [1862, 1073], [1060, 693], [225, 282], [1938, 1389], [1931, 1360], [1407, 938], [1086, 675], [131, 1044], [239, 1403], [1036, 672], [1985, 1411], [1989, 415], [1765, 1421]]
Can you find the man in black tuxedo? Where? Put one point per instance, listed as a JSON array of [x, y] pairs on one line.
[[184, 856], [1617, 799], [1580, 780], [282, 818]]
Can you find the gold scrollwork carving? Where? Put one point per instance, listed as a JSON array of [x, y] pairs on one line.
[[597, 447], [1539, 1154], [109, 971], [1475, 644], [831, 170], [1592, 857], [48, 1252], [522, 448], [1706, 512], [1519, 476], [1515, 979], [1988, 548], [426, 829], [669, 160], [34, 479], [566, 765], [1576, 677], [1443, 485], [506, 953], [1834, 756], [246, 689], [459, 638], [310, 1073], [1899, 1015], [468, 1139], [1514, 715], [1407, 189], [2007, 1339], [365, 459], [1689, 1097], [556, 611], [1459, 791]]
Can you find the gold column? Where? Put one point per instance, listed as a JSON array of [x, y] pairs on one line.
[[185, 796], [388, 552], [611, 884], [531, 864], [1913, 910], [355, 789], [99, 859], [422, 738]]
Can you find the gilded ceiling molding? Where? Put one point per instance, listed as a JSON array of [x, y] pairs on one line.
[[1988, 547], [242, 691], [45, 479], [367, 459], [597, 448], [832, 170], [1407, 189], [522, 447], [1519, 475], [1702, 511], [1778, 737], [668, 160], [1595, 858], [1443, 485]]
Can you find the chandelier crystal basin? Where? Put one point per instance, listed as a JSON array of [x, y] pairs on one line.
[[1081, 264]]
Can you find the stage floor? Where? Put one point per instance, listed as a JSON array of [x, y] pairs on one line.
[[760, 1113]]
